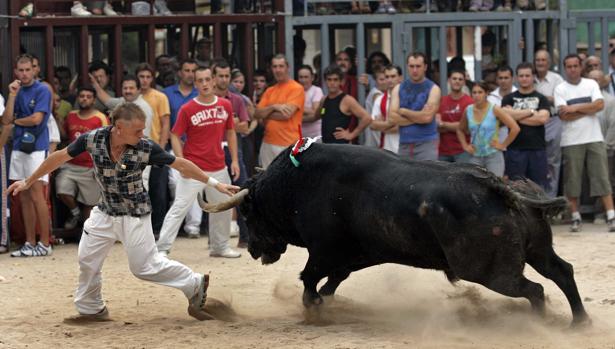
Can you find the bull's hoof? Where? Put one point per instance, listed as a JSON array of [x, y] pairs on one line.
[[580, 322], [310, 300]]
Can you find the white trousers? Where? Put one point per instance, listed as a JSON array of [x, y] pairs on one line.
[[268, 153], [185, 196], [195, 214], [100, 232]]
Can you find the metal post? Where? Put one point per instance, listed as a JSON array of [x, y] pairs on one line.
[[529, 40], [325, 54], [397, 31], [5, 53], [118, 72], [83, 54], [48, 52], [478, 54], [604, 42], [591, 38], [442, 61], [360, 44], [288, 38]]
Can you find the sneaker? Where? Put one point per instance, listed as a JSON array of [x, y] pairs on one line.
[[72, 222], [78, 10], [226, 253], [234, 229], [391, 10], [382, 8], [193, 234], [27, 11], [163, 254], [3, 249], [161, 8], [611, 224], [196, 304], [24, 251], [41, 250], [474, 8], [108, 10], [575, 227], [101, 316]]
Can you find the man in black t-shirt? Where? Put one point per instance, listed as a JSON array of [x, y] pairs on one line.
[[526, 156]]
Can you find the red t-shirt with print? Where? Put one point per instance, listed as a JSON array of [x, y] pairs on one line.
[[451, 110], [75, 126], [205, 126]]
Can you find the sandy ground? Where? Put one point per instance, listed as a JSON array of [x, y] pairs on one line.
[[388, 306]]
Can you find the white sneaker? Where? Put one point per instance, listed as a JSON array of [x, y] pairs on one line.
[[161, 8], [234, 229], [226, 253], [78, 10], [163, 254], [38, 250], [108, 10]]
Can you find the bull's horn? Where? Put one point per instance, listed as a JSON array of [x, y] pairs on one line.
[[222, 206], [259, 169]]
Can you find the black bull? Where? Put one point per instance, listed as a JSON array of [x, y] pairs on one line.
[[353, 207]]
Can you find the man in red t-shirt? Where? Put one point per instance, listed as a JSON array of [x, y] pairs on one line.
[[448, 116], [75, 183], [205, 121]]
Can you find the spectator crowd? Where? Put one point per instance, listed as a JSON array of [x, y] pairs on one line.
[[533, 124]]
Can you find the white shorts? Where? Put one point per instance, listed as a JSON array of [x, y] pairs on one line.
[[23, 165]]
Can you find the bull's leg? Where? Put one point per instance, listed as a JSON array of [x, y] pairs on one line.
[[551, 266], [519, 286], [333, 281], [311, 275]]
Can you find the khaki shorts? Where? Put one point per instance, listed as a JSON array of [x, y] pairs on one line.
[[574, 158], [78, 182]]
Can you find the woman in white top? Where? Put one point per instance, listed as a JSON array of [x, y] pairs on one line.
[[313, 96]]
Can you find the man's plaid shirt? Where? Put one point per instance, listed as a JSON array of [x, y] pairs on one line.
[[121, 182]]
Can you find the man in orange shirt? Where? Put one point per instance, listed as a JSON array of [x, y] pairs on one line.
[[281, 110]]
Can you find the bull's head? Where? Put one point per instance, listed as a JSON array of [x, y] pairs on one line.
[[258, 244]]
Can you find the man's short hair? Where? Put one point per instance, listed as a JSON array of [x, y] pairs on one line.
[[525, 65], [306, 67], [24, 58], [97, 65], [62, 69], [505, 68], [187, 61], [571, 56], [400, 71], [219, 63], [201, 68], [127, 111], [260, 72], [457, 71], [417, 55], [86, 88], [334, 69], [378, 70], [279, 56], [145, 67], [131, 78]]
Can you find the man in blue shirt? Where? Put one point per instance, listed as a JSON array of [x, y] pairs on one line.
[[182, 92], [28, 108], [414, 104]]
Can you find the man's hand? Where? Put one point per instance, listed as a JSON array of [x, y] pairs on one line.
[[17, 187], [94, 82], [285, 109], [14, 87], [363, 79], [342, 133], [235, 170], [567, 109], [227, 189], [469, 149]]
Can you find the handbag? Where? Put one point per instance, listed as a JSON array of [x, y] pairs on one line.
[[27, 143]]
